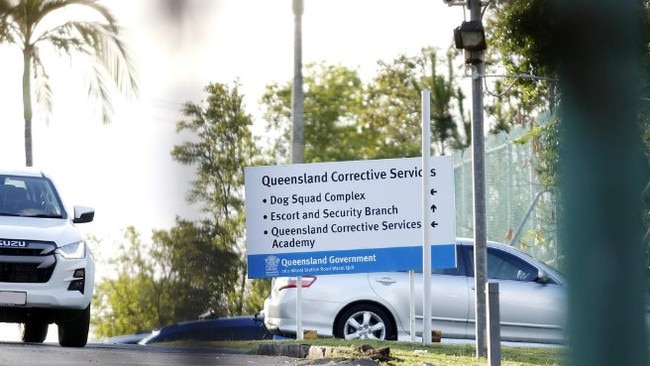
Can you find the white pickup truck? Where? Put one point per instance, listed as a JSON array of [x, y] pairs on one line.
[[46, 268]]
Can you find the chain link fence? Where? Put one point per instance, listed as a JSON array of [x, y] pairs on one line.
[[519, 211]]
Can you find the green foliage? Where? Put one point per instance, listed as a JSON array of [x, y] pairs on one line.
[[332, 101], [347, 120], [393, 112], [501, 109], [221, 146], [545, 139], [644, 118], [194, 267], [131, 300], [519, 33], [181, 274], [203, 272], [444, 125], [256, 292], [392, 116], [121, 308]]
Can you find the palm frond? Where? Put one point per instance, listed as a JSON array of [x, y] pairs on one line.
[[99, 88], [23, 23], [112, 45], [99, 41], [43, 89], [5, 23]]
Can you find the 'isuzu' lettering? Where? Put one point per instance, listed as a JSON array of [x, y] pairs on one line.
[[13, 243]]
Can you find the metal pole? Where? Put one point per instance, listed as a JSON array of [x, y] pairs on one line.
[[297, 135], [412, 305], [493, 324], [426, 230], [480, 224]]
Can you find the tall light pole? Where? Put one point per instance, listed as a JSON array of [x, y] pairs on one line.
[[297, 135], [480, 211], [470, 36], [297, 132]]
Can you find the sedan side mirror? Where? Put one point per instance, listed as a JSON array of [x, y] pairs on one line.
[[542, 277]]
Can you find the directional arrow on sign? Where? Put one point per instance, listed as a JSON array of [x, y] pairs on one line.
[[433, 191], [433, 208], [434, 224]]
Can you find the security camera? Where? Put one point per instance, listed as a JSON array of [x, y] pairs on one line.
[[455, 2], [463, 2]]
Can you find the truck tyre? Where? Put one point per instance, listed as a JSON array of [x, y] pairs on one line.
[[74, 332], [34, 331]]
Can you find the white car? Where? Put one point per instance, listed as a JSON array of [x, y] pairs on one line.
[[533, 300], [46, 268]]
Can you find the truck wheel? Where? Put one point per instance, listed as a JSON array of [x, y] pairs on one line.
[[74, 332], [34, 331]]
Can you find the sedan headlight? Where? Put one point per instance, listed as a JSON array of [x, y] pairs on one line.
[[73, 251]]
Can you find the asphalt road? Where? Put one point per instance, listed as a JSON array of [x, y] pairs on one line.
[[51, 354], [129, 355]]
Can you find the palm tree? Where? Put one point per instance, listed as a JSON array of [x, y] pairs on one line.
[[32, 25]]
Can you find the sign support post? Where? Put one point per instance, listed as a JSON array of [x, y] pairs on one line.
[[426, 239]]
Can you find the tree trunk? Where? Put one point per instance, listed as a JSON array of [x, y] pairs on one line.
[[27, 103]]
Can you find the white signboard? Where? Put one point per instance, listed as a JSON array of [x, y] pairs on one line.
[[347, 217]]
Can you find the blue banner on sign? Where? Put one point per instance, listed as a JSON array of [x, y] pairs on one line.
[[349, 261]]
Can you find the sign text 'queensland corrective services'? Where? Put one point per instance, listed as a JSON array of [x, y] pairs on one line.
[[347, 217]]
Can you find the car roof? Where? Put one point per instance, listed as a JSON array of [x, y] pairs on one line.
[[128, 338], [553, 272], [193, 328], [22, 171], [227, 320]]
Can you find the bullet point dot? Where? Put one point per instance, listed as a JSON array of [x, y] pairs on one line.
[[265, 217], [264, 200], [265, 232]]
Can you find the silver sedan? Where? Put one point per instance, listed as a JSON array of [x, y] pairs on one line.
[[532, 300]]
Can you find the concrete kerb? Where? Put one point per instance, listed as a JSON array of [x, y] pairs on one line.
[[316, 355]]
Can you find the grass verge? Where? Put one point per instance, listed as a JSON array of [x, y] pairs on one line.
[[415, 354]]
